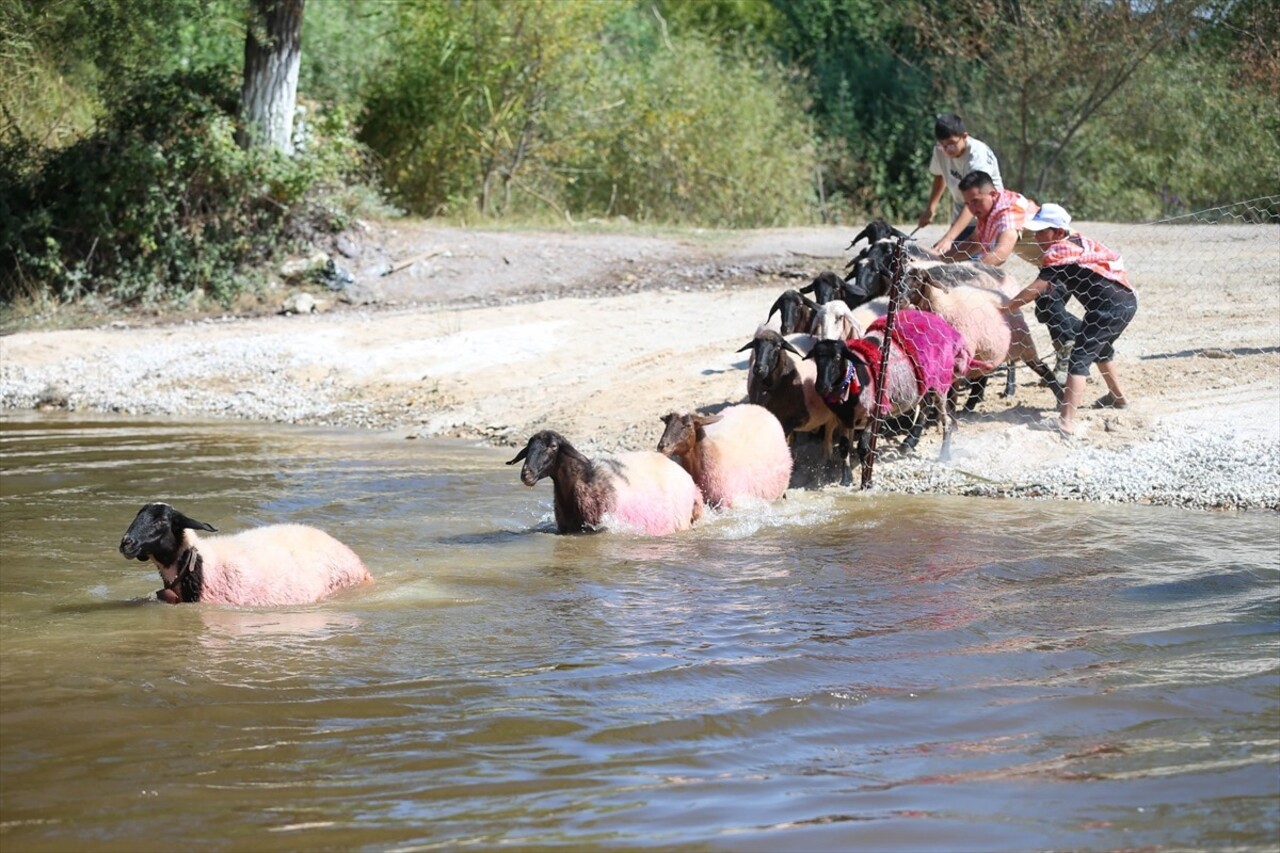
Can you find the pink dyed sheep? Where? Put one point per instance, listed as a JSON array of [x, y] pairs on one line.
[[739, 453], [927, 357], [994, 335], [642, 490], [278, 564], [780, 380]]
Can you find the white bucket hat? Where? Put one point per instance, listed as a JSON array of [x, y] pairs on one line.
[[1050, 215]]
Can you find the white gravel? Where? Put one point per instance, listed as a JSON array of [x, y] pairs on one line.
[[1203, 430]]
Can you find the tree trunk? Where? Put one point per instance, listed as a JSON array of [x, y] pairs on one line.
[[272, 57]]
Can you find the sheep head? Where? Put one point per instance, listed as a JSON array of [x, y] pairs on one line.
[[765, 347], [794, 310], [156, 532], [869, 280], [841, 374], [827, 287], [539, 454], [683, 432]]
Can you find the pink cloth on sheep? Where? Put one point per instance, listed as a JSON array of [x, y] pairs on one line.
[[936, 350]]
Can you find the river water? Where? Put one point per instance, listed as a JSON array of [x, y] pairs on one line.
[[835, 671]]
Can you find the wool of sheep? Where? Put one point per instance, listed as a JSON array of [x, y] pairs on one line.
[[274, 565], [742, 456], [937, 351], [652, 494], [994, 335]]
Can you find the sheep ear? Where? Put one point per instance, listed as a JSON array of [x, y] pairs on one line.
[[524, 451], [748, 345], [862, 372], [777, 304], [702, 420], [786, 345], [183, 522], [809, 303]]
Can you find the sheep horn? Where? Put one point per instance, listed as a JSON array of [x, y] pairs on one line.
[[777, 306]]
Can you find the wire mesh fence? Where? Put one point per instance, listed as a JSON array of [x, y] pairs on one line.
[[1096, 333]]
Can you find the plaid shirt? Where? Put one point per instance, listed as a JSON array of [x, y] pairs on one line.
[[1011, 210], [1090, 254]]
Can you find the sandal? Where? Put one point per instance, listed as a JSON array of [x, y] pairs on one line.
[[1107, 401], [1052, 424]]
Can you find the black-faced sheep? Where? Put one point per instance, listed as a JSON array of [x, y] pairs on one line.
[[926, 359], [641, 491], [829, 287], [737, 454], [795, 312], [780, 380], [274, 565]]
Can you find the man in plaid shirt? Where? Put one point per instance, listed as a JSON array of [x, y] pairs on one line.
[[1000, 214]]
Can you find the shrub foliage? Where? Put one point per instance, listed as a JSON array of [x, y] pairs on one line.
[[119, 177], [158, 202]]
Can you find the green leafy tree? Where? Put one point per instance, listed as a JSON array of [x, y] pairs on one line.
[[872, 103], [680, 131], [1035, 74]]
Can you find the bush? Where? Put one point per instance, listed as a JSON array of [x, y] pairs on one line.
[[690, 136], [585, 110], [159, 204]]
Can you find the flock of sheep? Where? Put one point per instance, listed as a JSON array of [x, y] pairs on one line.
[[815, 369]]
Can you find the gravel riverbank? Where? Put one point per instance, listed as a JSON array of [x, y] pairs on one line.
[[597, 336]]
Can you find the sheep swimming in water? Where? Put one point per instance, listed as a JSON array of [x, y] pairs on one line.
[[738, 453], [641, 490], [273, 565]]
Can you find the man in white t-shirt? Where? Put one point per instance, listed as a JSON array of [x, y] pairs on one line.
[[956, 155]]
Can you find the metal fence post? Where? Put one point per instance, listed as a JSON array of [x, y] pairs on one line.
[[897, 272]]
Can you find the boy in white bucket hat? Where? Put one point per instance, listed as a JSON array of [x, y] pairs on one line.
[[1051, 306], [1096, 277]]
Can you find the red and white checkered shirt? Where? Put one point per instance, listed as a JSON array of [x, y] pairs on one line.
[[1090, 254], [1011, 210]]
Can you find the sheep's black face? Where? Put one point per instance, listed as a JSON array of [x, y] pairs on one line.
[[766, 353], [872, 280], [831, 360], [827, 287], [539, 456], [789, 307], [156, 532]]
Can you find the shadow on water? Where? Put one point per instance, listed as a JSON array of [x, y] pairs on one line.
[[484, 538], [88, 607]]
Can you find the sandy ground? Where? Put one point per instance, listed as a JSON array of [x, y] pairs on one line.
[[494, 335]]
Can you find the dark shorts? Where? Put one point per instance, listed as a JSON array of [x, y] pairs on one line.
[[1108, 308], [1051, 310], [1099, 328]]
